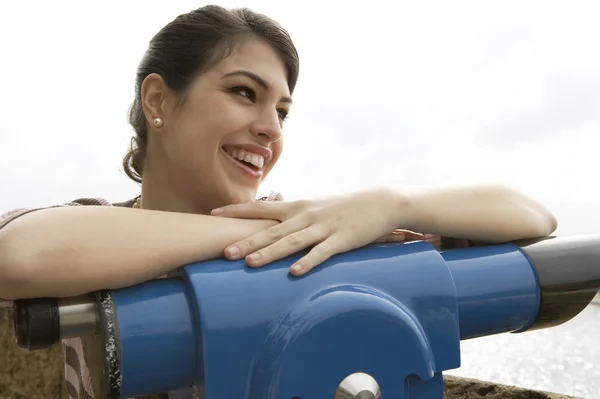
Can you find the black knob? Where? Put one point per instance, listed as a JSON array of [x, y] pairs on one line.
[[37, 323]]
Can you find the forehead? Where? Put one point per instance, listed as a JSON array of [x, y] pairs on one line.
[[256, 56]]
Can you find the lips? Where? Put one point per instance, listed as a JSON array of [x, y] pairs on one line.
[[247, 170], [254, 149], [252, 160]]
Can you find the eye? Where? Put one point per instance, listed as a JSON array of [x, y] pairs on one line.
[[245, 92], [283, 114]]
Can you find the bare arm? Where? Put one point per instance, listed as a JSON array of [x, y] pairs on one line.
[[492, 214], [67, 251]]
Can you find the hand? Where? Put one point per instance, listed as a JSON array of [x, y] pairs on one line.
[[332, 225], [399, 235]]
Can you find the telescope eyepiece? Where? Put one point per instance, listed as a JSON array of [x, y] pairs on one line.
[[36, 322]]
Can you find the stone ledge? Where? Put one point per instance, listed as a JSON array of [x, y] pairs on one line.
[[27, 374], [466, 388]]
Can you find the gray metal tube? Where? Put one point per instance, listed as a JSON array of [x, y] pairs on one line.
[[78, 316]]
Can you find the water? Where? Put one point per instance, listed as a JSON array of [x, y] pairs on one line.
[[563, 359]]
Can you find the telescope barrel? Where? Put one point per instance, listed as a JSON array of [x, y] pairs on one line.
[[496, 288], [154, 325], [392, 314]]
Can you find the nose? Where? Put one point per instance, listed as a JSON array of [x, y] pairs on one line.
[[267, 127]]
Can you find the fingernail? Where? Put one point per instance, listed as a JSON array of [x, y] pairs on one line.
[[297, 268], [217, 211], [254, 257], [232, 251]]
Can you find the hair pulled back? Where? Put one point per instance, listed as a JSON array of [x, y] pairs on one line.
[[189, 46]]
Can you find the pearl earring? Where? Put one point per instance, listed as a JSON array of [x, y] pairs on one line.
[[158, 122]]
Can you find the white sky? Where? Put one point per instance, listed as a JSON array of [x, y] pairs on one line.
[[390, 92]]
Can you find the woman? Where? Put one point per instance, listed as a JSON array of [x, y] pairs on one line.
[[212, 94]]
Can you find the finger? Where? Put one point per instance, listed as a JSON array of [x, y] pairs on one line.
[[288, 245], [263, 239], [253, 210], [413, 236], [409, 235], [393, 237], [319, 254]]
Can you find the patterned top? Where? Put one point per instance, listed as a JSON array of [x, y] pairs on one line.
[[83, 356]]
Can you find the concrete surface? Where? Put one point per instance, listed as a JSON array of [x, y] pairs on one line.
[[27, 374], [466, 388]]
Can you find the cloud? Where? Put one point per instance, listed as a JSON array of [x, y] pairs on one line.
[[392, 93]]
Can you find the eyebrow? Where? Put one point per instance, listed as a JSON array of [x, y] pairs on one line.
[[260, 81]]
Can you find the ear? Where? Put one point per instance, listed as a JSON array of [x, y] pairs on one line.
[[153, 95]]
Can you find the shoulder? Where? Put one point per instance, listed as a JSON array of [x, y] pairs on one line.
[[96, 201]]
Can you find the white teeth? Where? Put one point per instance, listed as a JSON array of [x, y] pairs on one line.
[[245, 156]]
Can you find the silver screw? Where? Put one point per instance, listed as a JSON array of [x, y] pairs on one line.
[[358, 386]]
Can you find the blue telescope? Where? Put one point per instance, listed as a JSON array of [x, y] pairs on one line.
[[380, 321]]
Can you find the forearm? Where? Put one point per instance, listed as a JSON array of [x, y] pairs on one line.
[[492, 214], [67, 251]]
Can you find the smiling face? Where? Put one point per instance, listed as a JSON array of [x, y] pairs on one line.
[[217, 146]]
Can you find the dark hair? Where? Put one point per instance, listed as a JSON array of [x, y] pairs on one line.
[[189, 46]]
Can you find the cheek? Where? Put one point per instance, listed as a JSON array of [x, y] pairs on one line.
[[188, 148], [209, 127], [199, 134]]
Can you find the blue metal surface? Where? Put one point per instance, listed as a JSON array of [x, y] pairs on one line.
[[391, 311], [497, 289], [156, 337]]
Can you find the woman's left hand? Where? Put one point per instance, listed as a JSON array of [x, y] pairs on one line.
[[332, 226]]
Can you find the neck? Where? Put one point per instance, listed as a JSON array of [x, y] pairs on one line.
[[159, 193], [157, 201]]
